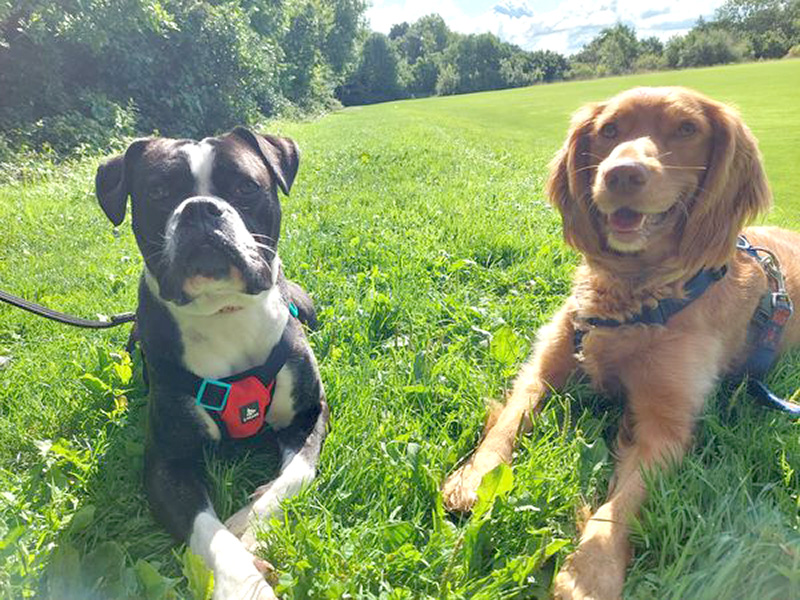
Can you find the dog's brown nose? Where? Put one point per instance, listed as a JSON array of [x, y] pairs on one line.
[[627, 177]]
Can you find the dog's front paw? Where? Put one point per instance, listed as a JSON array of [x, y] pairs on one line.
[[460, 490], [243, 581], [590, 575]]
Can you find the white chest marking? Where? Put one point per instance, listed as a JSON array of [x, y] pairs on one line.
[[201, 162], [221, 345]]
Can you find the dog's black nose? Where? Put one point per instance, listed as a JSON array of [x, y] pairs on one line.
[[627, 177], [201, 209]]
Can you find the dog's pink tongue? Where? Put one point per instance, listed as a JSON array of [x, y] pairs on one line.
[[626, 219]]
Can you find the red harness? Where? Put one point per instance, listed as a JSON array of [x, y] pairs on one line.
[[246, 408], [239, 404]]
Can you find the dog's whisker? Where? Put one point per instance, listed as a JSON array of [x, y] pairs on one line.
[[268, 249], [154, 255], [268, 238]]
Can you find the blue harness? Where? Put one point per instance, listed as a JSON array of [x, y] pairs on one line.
[[773, 312]]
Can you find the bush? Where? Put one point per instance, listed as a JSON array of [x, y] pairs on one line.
[[704, 47], [448, 83], [519, 70], [650, 62], [76, 73], [794, 52], [98, 125], [581, 70]]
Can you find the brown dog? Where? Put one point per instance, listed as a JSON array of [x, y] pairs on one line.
[[653, 187]]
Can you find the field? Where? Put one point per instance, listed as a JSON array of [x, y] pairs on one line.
[[421, 230]]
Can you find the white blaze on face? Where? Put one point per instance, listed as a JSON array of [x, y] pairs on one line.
[[201, 162]]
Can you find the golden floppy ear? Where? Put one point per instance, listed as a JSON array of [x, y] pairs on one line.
[[569, 186], [732, 193]]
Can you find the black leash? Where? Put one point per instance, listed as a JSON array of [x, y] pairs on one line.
[[759, 390], [61, 317], [774, 310]]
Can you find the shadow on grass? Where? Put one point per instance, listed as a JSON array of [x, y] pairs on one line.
[[113, 548]]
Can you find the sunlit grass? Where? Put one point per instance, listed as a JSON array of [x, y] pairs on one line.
[[421, 230]]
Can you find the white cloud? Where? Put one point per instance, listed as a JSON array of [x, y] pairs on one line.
[[385, 13], [564, 29]]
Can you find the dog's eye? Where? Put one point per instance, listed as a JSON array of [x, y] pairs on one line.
[[687, 129], [609, 131], [246, 187], [158, 191]]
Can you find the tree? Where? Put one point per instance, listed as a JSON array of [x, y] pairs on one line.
[[85, 72], [770, 26], [612, 52], [477, 60], [377, 77], [553, 65], [651, 45], [420, 45]]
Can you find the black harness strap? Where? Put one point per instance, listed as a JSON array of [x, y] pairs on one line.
[[661, 312], [766, 327], [266, 372]]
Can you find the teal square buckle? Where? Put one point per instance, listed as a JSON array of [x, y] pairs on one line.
[[213, 394]]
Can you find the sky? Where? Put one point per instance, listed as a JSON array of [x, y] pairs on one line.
[[559, 25]]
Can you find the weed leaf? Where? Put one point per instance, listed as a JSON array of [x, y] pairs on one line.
[[201, 580], [495, 484], [506, 346], [82, 519], [156, 586]]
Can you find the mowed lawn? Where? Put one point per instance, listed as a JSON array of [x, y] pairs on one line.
[[421, 230]]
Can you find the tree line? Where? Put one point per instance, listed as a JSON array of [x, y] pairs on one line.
[[77, 74], [425, 58]]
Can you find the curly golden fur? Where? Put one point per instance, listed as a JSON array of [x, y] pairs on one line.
[[652, 185]]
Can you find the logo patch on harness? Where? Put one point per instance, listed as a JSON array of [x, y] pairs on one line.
[[248, 412]]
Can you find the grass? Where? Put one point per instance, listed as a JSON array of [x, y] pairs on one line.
[[421, 230]]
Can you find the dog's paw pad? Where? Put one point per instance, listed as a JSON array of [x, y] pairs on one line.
[[264, 567]]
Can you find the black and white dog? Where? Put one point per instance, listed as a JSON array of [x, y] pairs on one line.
[[226, 355]]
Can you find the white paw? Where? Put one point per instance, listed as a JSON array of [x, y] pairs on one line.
[[242, 581]]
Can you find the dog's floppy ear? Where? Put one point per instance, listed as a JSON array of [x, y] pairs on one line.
[[280, 154], [570, 182], [733, 192], [112, 185]]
